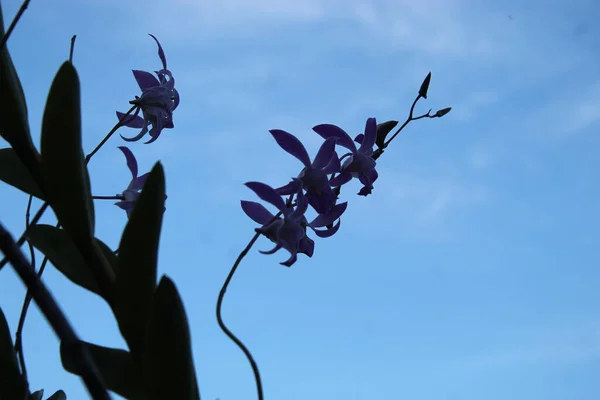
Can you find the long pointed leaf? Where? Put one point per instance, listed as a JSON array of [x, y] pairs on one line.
[[14, 172], [14, 126], [65, 173], [135, 280], [168, 363], [119, 372], [12, 385], [58, 246]]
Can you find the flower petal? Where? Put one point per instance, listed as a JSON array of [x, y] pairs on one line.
[[328, 218], [321, 201], [359, 138], [138, 183], [131, 121], [293, 187], [131, 161], [325, 153], [124, 205], [161, 53], [268, 194], [328, 130], [301, 207], [138, 136], [272, 251], [291, 145], [341, 179], [328, 232], [257, 212], [145, 80], [290, 261], [370, 135], [306, 246], [334, 165]]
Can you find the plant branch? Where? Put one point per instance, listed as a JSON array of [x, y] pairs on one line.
[[54, 315], [13, 24], [224, 328]]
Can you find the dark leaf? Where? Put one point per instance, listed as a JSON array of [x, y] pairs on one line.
[[58, 395], [65, 173], [58, 246], [13, 172], [168, 363], [442, 112], [14, 126], [12, 385], [383, 130], [425, 86], [37, 395], [119, 372], [138, 255]]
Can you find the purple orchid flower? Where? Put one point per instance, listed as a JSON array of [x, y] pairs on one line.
[[358, 163], [313, 177], [158, 101], [131, 194], [289, 232]]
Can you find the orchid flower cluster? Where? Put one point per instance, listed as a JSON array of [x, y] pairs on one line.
[[314, 186]]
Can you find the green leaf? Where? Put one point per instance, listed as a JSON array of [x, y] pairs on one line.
[[383, 129], [135, 279], [168, 363], [63, 164], [119, 371], [13, 172], [58, 395], [14, 126], [12, 385], [58, 246]]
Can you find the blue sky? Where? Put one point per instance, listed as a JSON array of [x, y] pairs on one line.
[[470, 273]]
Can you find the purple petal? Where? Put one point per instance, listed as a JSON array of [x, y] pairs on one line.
[[131, 162], [328, 232], [301, 206], [124, 205], [154, 134], [175, 98], [257, 212], [322, 201], [290, 261], [138, 136], [334, 165], [370, 136], [138, 183], [268, 194], [293, 187], [145, 80], [325, 153], [131, 121], [292, 145], [341, 179], [328, 130], [328, 218], [161, 53], [306, 246], [359, 138], [272, 251]]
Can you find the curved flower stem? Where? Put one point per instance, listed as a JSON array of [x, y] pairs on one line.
[[224, 328], [54, 315], [109, 134], [14, 23]]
